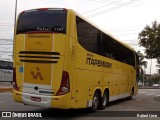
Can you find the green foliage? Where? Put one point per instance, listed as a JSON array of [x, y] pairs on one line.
[[150, 39], [158, 62], [140, 78], [154, 78], [142, 62]]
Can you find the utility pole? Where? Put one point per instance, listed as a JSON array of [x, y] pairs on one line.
[[15, 15]]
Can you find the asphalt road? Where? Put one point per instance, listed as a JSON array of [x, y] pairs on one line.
[[147, 102]]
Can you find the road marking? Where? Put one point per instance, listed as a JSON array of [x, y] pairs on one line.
[[141, 92], [157, 95], [150, 94]]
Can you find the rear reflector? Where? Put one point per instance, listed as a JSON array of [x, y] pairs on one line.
[[15, 86]]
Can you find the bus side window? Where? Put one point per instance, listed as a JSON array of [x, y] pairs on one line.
[[108, 48], [87, 35], [100, 44]]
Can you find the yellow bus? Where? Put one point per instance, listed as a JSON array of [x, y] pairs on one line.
[[61, 60]]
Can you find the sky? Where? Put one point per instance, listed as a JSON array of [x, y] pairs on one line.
[[123, 19]]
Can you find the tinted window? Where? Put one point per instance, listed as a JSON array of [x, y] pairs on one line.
[[100, 43], [137, 62], [137, 59], [117, 51], [42, 20], [87, 35]]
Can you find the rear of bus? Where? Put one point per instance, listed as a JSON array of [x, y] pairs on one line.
[[39, 52]]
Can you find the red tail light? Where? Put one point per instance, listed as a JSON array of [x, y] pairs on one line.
[[15, 86], [43, 9], [22, 12], [65, 85]]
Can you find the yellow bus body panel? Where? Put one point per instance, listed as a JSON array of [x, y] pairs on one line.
[[84, 79]]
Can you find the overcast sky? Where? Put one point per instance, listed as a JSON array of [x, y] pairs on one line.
[[124, 19]]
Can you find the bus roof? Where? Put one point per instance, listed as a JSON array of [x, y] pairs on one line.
[[82, 17]]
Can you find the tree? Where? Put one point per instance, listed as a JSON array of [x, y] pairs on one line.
[[141, 60], [158, 62], [141, 63], [150, 39], [154, 78]]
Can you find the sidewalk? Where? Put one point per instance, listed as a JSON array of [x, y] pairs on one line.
[[5, 87], [148, 87]]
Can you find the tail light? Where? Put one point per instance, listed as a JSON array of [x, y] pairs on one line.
[[65, 85], [15, 86], [43, 9]]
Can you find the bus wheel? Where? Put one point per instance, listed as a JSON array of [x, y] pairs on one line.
[[95, 102], [131, 96], [104, 100]]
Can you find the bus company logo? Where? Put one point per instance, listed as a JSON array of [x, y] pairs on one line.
[[37, 74]]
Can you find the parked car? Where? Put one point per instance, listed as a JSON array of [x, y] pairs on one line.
[[140, 84], [156, 85]]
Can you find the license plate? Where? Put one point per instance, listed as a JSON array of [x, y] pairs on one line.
[[36, 99]]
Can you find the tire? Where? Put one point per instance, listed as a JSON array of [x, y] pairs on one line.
[[132, 94], [95, 102], [104, 100]]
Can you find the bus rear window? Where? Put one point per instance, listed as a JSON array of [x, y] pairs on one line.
[[42, 21]]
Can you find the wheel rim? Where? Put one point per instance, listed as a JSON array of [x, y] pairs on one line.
[[132, 93], [104, 100], [95, 102]]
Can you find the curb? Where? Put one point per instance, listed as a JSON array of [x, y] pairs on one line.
[[148, 88], [5, 89]]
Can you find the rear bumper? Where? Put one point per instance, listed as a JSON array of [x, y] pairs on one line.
[[44, 101], [63, 101]]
